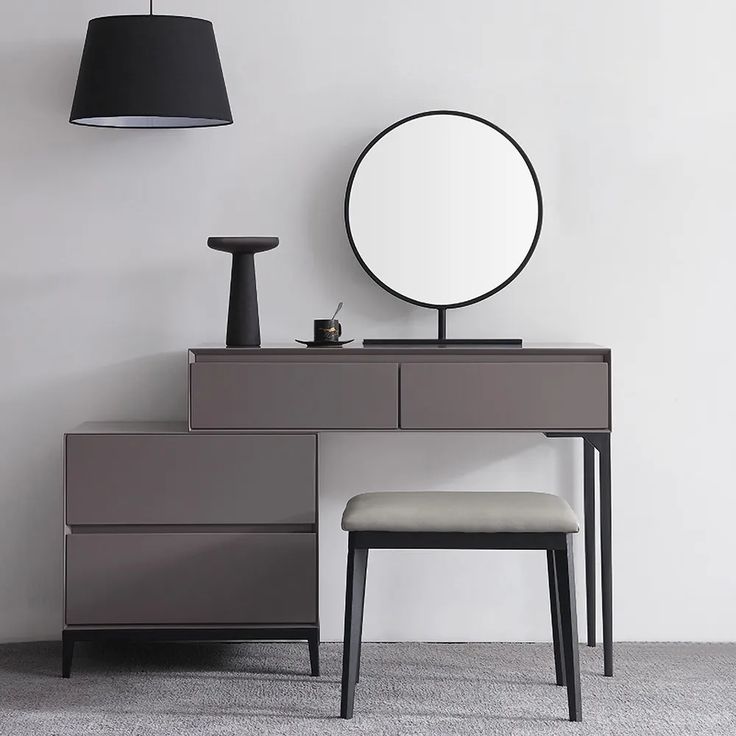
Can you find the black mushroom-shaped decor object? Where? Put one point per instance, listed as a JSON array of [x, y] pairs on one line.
[[243, 329]]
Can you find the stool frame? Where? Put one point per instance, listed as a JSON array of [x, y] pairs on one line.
[[561, 577]]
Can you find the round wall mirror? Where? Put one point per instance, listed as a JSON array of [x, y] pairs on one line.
[[443, 209]]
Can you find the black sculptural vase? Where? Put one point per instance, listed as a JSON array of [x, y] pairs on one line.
[[243, 328]]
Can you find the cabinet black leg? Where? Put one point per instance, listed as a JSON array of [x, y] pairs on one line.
[[604, 448], [589, 509], [554, 605], [566, 585], [67, 653], [314, 652], [355, 585]]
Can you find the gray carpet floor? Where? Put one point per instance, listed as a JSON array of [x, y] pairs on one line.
[[418, 689]]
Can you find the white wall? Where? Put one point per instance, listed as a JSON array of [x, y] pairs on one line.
[[626, 110]]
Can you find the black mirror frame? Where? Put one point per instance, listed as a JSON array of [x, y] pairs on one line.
[[442, 307]]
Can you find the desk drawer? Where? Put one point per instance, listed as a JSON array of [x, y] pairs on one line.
[[198, 578], [545, 396], [231, 395], [190, 479]]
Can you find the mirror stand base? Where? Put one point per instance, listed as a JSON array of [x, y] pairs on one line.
[[497, 342], [442, 340]]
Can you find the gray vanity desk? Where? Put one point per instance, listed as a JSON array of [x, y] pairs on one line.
[[558, 390], [210, 531]]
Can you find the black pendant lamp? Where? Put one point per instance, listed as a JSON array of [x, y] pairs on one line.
[[150, 71]]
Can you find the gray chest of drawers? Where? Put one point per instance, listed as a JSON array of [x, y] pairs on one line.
[[209, 530], [174, 535]]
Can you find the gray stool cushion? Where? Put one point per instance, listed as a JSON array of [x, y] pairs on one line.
[[459, 511]]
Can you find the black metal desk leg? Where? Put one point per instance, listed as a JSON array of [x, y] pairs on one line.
[[601, 441], [604, 448], [589, 508]]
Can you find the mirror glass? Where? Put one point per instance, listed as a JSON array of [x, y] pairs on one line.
[[443, 209]]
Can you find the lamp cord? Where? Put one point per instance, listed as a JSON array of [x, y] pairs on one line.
[[151, 6]]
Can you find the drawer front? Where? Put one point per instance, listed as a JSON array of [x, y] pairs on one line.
[[198, 578], [190, 479], [293, 395], [545, 396]]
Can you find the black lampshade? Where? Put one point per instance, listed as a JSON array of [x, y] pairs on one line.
[[150, 71]]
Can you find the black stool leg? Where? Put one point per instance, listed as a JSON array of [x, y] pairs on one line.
[[360, 624], [568, 614], [554, 605], [67, 653], [314, 652], [354, 589]]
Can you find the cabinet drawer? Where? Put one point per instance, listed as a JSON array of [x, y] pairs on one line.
[[293, 395], [545, 396], [190, 479], [197, 578]]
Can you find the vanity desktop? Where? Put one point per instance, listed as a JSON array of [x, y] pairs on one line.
[[209, 529]]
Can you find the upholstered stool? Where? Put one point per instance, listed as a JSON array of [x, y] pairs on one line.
[[464, 520]]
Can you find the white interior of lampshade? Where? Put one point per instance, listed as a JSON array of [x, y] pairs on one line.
[[150, 121]]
